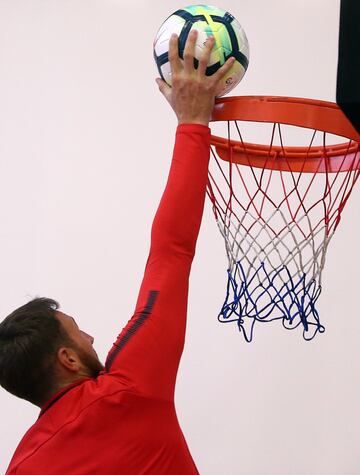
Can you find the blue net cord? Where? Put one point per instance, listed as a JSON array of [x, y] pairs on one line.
[[268, 296]]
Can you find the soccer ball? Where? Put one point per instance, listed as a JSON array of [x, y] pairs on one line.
[[230, 40]]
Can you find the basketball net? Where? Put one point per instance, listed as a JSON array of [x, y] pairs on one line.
[[277, 219]]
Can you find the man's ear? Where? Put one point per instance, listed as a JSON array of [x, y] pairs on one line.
[[68, 359]]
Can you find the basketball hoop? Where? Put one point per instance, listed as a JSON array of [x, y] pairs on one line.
[[278, 204]]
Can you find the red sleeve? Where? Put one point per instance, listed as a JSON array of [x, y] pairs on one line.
[[148, 350]]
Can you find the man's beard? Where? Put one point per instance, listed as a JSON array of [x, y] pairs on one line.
[[91, 362]]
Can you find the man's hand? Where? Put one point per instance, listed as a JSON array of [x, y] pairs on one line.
[[192, 95]]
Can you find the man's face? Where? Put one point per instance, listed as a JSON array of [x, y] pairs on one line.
[[83, 345]]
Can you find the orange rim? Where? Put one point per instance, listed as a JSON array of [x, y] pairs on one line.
[[313, 114]]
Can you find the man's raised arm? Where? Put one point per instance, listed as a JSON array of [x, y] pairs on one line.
[[148, 350]]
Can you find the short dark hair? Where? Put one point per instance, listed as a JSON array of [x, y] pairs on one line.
[[29, 339]]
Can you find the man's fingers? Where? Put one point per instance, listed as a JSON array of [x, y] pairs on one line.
[[225, 68], [189, 51], [174, 59], [205, 57]]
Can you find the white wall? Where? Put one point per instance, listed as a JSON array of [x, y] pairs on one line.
[[85, 145]]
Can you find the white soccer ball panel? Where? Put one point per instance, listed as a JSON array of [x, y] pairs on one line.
[[166, 72], [161, 45], [242, 38], [171, 25]]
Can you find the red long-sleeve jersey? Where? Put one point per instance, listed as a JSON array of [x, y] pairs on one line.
[[124, 422]]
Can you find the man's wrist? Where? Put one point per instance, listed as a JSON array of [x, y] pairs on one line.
[[194, 122]]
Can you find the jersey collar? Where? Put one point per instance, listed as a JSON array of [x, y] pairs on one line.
[[60, 394]]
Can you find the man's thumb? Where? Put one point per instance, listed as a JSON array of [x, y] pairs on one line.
[[163, 87]]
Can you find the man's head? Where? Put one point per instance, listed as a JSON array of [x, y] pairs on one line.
[[42, 350]]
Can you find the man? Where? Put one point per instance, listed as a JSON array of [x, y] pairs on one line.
[[121, 419]]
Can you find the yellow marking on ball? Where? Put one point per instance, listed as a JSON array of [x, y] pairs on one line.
[[217, 37]]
